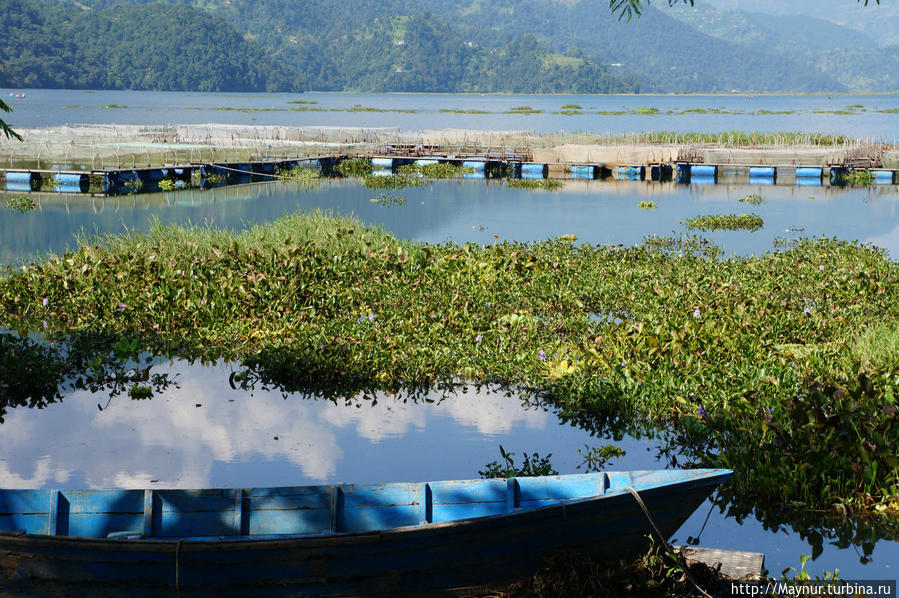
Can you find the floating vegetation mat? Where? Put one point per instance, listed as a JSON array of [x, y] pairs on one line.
[[534, 184], [784, 367], [752, 222]]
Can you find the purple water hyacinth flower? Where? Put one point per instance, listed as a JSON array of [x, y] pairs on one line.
[[46, 325], [702, 413], [541, 355], [696, 313], [478, 338], [821, 267], [121, 307], [45, 302], [807, 311], [371, 316]]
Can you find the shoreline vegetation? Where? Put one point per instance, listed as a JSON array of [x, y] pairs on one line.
[[782, 367]]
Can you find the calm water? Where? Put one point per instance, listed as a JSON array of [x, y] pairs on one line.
[[202, 432], [470, 210], [869, 119]]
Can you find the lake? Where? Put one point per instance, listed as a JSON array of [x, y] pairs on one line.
[[201, 431], [600, 211], [871, 117]]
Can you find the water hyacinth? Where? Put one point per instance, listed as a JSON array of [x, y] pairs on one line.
[[45, 302], [286, 289]]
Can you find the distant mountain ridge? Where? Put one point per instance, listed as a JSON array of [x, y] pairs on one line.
[[520, 46], [854, 58]]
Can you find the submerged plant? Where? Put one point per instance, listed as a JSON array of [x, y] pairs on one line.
[[647, 205]]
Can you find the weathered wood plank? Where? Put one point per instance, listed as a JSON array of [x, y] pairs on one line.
[[735, 564]]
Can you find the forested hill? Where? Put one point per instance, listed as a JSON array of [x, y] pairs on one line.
[[177, 46], [158, 46], [425, 53], [525, 46]]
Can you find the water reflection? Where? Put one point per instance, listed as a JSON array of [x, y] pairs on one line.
[[108, 415]]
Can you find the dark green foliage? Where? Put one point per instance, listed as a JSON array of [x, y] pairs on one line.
[[4, 128], [153, 46]]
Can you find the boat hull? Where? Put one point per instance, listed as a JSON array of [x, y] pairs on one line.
[[419, 560]]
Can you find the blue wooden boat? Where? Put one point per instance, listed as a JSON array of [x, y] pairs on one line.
[[387, 539]]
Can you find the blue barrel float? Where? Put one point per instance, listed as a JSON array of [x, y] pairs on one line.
[[22, 180], [762, 175], [478, 166], [531, 170], [762, 171], [703, 170], [682, 172], [70, 182], [426, 162], [583, 171], [807, 171], [382, 162], [808, 176], [635, 173], [883, 177]]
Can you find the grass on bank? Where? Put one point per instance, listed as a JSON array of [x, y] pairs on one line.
[[781, 367]]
